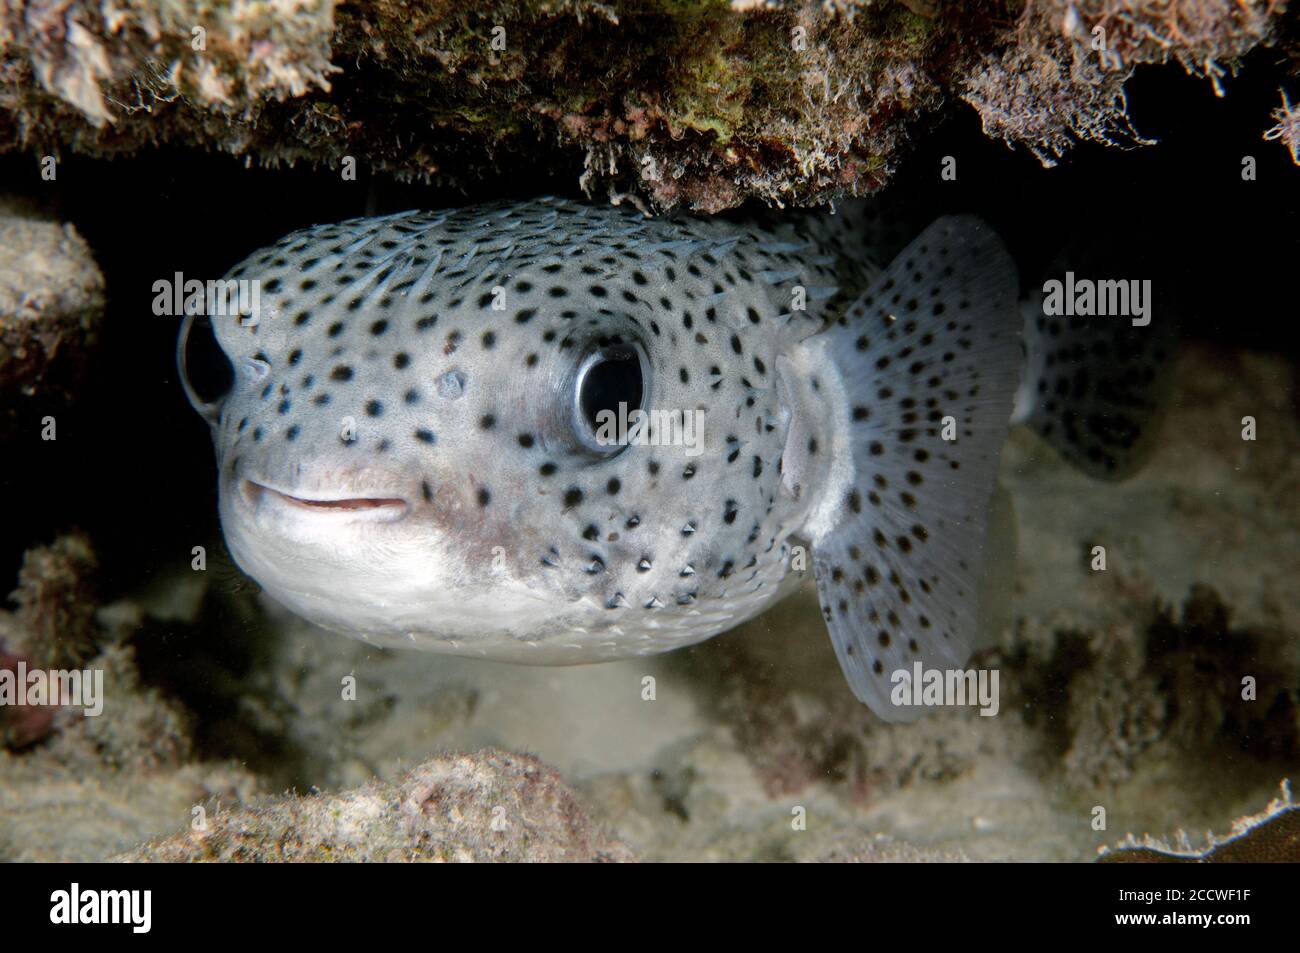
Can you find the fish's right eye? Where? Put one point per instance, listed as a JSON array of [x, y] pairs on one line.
[[206, 373], [611, 384]]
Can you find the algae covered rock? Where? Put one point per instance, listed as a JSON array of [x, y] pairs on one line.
[[53, 627], [490, 805], [56, 627], [1139, 692], [86, 776], [51, 303], [56, 602], [1271, 836], [1062, 81], [701, 103]]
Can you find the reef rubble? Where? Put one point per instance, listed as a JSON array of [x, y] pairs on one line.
[[1270, 836], [787, 102], [51, 308], [487, 806]]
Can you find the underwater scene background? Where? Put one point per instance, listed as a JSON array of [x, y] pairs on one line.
[[1149, 699]]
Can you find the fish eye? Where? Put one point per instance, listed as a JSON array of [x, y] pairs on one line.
[[205, 370], [611, 383]]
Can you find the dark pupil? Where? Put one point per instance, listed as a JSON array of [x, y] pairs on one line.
[[614, 379], [206, 365]]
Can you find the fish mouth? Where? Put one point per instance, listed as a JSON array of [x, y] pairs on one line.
[[387, 506]]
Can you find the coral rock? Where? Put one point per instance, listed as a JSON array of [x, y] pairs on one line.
[[487, 806], [1272, 836], [702, 103], [51, 303]]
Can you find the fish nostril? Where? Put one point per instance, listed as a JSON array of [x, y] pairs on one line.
[[451, 385]]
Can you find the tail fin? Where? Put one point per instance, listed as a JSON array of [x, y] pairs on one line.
[[928, 361], [1094, 384]]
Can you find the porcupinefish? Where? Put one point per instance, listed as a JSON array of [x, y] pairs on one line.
[[412, 453]]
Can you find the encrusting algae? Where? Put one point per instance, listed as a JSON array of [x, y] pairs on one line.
[[792, 103]]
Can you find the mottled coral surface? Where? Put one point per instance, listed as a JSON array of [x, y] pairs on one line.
[[693, 102]]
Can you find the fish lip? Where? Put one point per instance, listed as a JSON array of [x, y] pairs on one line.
[[325, 504]]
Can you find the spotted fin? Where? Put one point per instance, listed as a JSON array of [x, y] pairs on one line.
[[899, 539], [1094, 386]]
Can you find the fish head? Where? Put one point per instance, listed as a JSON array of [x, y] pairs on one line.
[[428, 443]]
